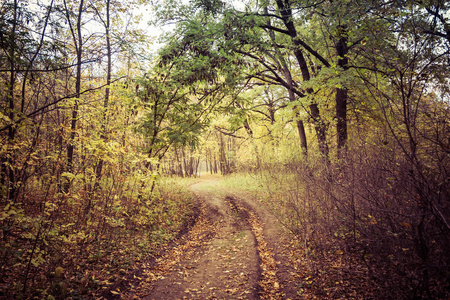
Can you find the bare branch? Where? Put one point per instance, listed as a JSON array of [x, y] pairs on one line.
[[43, 108]]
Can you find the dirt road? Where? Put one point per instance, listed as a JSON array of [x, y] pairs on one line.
[[232, 251]]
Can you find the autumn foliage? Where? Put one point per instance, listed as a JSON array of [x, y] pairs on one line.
[[334, 113]]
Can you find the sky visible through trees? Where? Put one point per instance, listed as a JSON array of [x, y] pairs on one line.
[[334, 114]]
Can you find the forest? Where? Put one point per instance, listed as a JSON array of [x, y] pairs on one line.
[[330, 118]]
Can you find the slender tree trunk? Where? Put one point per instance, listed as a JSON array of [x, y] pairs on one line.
[[78, 41], [223, 157], [320, 129], [10, 100], [31, 62], [211, 167], [207, 161], [302, 135], [232, 149], [196, 168], [185, 164], [342, 96], [107, 90], [179, 165]]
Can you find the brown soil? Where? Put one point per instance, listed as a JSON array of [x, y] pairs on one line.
[[234, 250]]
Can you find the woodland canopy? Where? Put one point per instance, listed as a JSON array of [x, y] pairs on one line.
[[340, 110]]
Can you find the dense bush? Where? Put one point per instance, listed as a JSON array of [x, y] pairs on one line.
[[376, 205]]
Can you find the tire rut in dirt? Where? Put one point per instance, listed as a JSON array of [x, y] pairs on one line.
[[218, 260], [241, 216], [189, 244], [268, 283], [132, 285]]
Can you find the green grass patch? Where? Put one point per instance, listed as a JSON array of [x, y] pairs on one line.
[[242, 181]]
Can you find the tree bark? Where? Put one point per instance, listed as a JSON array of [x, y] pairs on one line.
[[319, 125], [342, 95], [10, 100], [78, 41], [288, 77], [107, 89]]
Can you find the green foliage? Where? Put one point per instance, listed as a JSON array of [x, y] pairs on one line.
[[67, 243], [226, 93], [194, 76], [379, 192]]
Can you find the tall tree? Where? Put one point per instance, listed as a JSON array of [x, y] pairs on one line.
[[77, 37], [285, 12], [288, 77], [341, 92], [12, 60], [107, 25]]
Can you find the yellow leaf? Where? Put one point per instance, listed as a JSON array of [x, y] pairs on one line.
[[59, 271], [406, 225], [115, 293]]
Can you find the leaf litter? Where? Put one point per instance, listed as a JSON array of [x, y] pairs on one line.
[[223, 256]]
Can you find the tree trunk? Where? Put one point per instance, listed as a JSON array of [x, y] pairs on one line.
[[179, 166], [185, 163], [78, 41], [342, 96], [207, 161], [223, 157], [107, 90], [288, 77], [10, 100], [320, 127], [302, 135]]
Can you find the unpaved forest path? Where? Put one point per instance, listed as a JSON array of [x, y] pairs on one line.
[[232, 251]]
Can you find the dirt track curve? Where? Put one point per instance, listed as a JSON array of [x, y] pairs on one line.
[[232, 251]]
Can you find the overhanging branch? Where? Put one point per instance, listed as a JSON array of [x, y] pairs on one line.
[[43, 108]]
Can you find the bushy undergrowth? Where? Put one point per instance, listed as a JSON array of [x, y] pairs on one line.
[[73, 245], [374, 207]]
